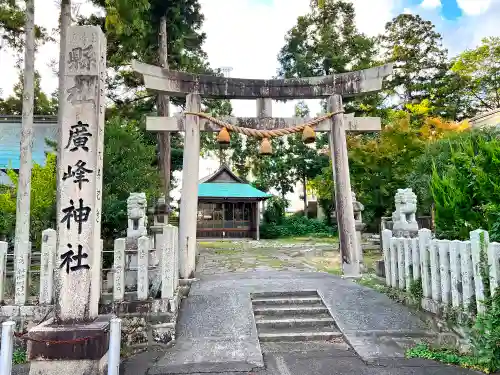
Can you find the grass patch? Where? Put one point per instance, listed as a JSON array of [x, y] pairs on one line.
[[370, 259], [274, 263], [218, 245], [332, 240], [333, 271], [372, 281], [19, 356], [227, 251], [446, 355]]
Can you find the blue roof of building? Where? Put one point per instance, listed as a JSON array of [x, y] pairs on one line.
[[229, 190], [10, 138]]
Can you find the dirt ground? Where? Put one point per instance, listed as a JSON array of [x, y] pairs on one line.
[[300, 254]]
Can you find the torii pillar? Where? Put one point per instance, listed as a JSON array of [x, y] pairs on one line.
[[179, 84]]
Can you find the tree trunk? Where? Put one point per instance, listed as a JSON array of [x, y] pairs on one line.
[[304, 191], [64, 23], [22, 234], [163, 110]]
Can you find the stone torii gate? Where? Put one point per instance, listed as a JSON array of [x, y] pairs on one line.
[[179, 84]]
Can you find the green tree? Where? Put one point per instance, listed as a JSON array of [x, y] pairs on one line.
[[128, 167], [466, 191], [43, 105], [378, 165], [451, 98], [479, 69], [132, 33], [43, 199], [325, 41], [419, 57], [306, 162], [12, 25], [273, 171]]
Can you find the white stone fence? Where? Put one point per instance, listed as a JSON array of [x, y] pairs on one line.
[[449, 271], [30, 291], [162, 261]]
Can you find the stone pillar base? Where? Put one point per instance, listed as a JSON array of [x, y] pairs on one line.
[[64, 348], [380, 268], [81, 367], [351, 271]]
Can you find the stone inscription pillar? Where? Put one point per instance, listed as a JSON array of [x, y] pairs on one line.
[[343, 199], [80, 170], [189, 192]]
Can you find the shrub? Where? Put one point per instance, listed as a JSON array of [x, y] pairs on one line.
[[275, 210], [466, 192], [295, 226]]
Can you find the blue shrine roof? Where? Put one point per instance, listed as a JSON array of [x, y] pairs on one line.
[[10, 137]]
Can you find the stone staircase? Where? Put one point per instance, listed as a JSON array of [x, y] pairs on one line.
[[292, 316]]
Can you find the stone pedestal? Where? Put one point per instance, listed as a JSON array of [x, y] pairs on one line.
[[69, 348]]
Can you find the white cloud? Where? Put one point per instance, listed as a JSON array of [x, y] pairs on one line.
[[431, 4], [474, 7]]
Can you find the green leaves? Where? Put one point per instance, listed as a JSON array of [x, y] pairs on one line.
[[479, 69], [43, 201], [325, 41], [420, 59], [43, 105], [12, 22], [466, 190], [127, 168]]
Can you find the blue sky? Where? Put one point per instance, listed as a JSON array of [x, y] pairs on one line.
[[449, 8]]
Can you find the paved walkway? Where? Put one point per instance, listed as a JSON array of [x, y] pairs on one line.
[[217, 334]]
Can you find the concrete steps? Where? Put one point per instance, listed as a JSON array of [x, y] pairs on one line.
[[292, 316]]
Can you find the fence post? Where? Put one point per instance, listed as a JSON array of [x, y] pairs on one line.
[[494, 263], [49, 239], [96, 279], [444, 270], [456, 273], [435, 274], [424, 242], [114, 346], [415, 258], [480, 240], [142, 268], [467, 273], [393, 243], [21, 267], [401, 263], [176, 257], [119, 270], [3, 261], [408, 259], [386, 247], [167, 249], [7, 347]]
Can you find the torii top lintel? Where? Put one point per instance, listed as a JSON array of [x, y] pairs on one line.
[[179, 84]]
